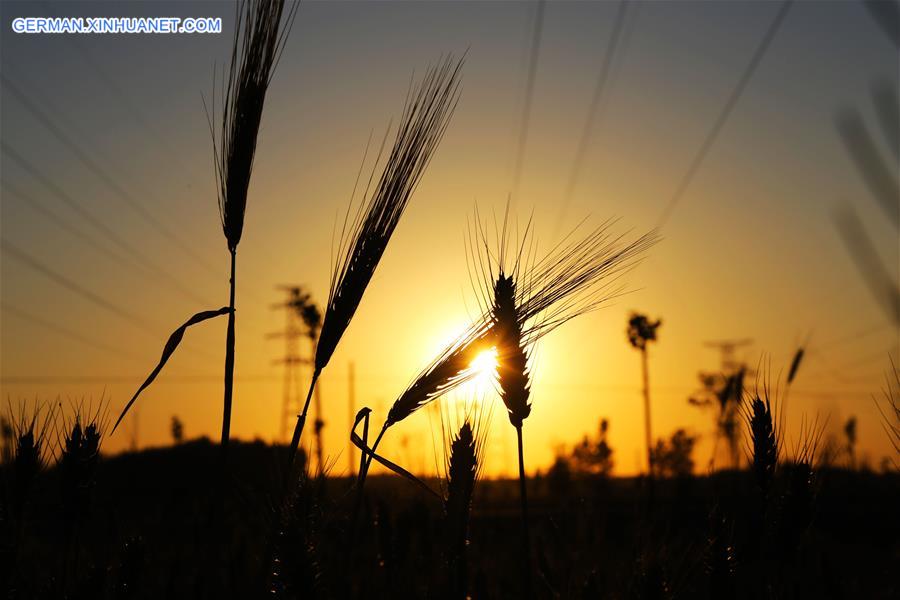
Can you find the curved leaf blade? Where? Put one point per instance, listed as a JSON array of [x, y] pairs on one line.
[[169, 349]]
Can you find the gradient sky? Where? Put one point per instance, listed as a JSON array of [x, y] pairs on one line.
[[751, 250]]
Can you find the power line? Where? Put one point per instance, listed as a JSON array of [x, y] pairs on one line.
[[852, 337], [725, 113], [529, 94], [63, 224], [85, 238], [123, 100], [203, 378], [71, 334], [243, 288], [593, 108], [141, 323], [38, 379], [101, 227], [866, 360], [105, 177], [23, 257]]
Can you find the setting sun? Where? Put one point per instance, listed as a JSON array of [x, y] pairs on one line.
[[449, 299], [485, 368]]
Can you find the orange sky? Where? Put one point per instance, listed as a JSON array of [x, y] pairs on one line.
[[751, 250]]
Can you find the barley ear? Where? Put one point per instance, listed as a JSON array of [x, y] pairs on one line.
[[365, 236], [364, 239], [259, 38], [512, 357], [462, 469]]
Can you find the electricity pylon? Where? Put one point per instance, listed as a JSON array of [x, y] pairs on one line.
[[292, 387]]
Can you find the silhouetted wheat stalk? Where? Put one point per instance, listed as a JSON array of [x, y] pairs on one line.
[[259, 38], [312, 319], [448, 370], [576, 277], [79, 453], [795, 364], [520, 303], [365, 237], [295, 571], [793, 370], [573, 279], [764, 437], [513, 379], [27, 454], [797, 503], [464, 451], [764, 420], [764, 430], [890, 415]]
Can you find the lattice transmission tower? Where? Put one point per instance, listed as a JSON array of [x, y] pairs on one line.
[[293, 361]]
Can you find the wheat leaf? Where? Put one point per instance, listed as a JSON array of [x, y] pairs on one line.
[[168, 350], [363, 415]]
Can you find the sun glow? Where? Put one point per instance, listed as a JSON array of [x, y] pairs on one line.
[[485, 368]]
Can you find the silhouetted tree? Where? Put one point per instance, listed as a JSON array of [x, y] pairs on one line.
[[724, 393], [850, 434], [674, 459], [177, 429], [593, 457], [559, 475], [642, 331]]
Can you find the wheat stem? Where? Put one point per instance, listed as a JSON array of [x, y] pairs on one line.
[[526, 563], [229, 359], [301, 419], [374, 448], [318, 425], [364, 464], [365, 460]]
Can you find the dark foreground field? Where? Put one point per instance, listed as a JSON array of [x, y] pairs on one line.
[[162, 524]]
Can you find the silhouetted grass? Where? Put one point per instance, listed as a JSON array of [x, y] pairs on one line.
[[148, 526], [259, 37], [576, 277], [365, 234], [463, 464], [160, 524], [890, 414]]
